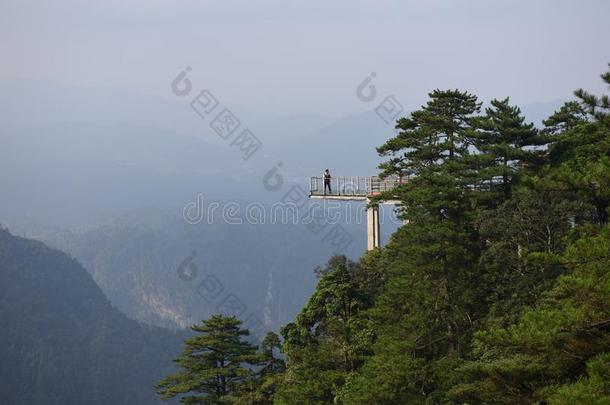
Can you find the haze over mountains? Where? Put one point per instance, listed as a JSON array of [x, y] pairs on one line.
[[266, 267], [62, 341], [115, 151], [127, 217], [104, 175]]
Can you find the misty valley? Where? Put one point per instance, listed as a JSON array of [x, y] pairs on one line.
[[287, 203]]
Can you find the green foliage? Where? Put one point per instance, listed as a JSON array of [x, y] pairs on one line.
[[569, 116], [326, 341], [265, 377], [61, 340], [550, 344], [597, 107], [497, 290], [505, 144], [212, 365], [530, 226], [270, 373], [592, 389], [436, 133]]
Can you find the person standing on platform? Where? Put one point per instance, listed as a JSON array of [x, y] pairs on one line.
[[327, 182]]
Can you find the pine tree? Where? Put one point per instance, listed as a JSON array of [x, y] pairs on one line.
[[212, 365], [530, 222], [580, 155], [323, 345], [505, 142], [501, 302], [422, 320], [271, 370], [435, 134], [554, 352], [569, 116], [598, 107], [552, 343]]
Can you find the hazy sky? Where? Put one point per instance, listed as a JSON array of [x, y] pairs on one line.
[[309, 56]]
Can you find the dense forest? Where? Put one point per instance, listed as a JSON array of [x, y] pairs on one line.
[[61, 340], [496, 291]]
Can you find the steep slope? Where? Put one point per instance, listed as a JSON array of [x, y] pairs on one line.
[[135, 261], [61, 341]]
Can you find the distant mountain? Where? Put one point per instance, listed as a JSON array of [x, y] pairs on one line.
[[62, 342], [268, 267], [67, 175], [38, 103], [112, 151], [72, 160]]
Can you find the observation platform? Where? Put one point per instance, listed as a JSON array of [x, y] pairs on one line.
[[358, 189], [353, 188]]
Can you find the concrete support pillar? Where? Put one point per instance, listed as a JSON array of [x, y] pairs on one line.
[[372, 227]]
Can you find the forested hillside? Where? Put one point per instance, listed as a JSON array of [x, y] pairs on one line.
[[497, 291], [62, 342]]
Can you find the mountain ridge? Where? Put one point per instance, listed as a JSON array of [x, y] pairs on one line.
[[62, 340]]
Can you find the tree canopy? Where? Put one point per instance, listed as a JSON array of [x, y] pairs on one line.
[[496, 291]]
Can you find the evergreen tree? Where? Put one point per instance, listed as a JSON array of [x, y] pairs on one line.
[[437, 133], [324, 344], [484, 297], [270, 373], [261, 389], [564, 334], [505, 142], [569, 116], [425, 313], [528, 361], [598, 107], [213, 364], [580, 156], [531, 222], [433, 148], [592, 389]]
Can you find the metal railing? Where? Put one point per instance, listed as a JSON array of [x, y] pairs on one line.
[[339, 185], [376, 185], [361, 186]]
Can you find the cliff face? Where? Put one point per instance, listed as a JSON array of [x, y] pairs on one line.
[[62, 342]]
